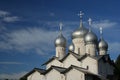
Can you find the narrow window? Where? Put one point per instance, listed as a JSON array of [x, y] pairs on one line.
[[87, 67], [78, 50]]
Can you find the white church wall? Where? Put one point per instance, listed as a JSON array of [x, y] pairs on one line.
[[55, 62], [54, 75], [74, 74], [91, 49], [71, 60], [36, 76], [91, 63]]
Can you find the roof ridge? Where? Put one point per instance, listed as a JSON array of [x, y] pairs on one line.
[[58, 67], [49, 60], [78, 67]]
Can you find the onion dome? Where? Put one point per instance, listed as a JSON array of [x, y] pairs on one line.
[[60, 41], [81, 31], [102, 44], [71, 47], [91, 37]]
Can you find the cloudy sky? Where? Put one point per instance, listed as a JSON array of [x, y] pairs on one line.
[[28, 29]]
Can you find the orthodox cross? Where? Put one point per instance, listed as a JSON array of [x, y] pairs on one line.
[[90, 23], [81, 14], [101, 30], [60, 27]]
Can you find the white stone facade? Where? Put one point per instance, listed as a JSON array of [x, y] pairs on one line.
[[55, 62], [91, 49], [79, 46], [36, 76], [71, 60], [54, 75], [77, 75]]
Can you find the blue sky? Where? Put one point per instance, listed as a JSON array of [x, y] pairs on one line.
[[28, 29]]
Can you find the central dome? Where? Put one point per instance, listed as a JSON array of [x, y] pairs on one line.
[[80, 32]]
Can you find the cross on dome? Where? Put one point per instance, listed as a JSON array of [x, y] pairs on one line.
[[90, 21], [81, 14], [60, 26], [101, 30]]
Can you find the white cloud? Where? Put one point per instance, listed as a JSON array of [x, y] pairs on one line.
[[13, 75], [104, 24], [8, 17], [11, 19], [29, 39], [4, 13], [15, 63]]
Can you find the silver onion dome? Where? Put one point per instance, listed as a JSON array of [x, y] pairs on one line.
[[102, 44], [80, 32], [90, 38], [60, 41], [71, 47]]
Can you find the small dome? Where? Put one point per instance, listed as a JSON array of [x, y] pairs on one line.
[[91, 37], [71, 47], [102, 44], [80, 32], [60, 41]]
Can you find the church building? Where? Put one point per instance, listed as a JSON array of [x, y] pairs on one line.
[[87, 58]]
